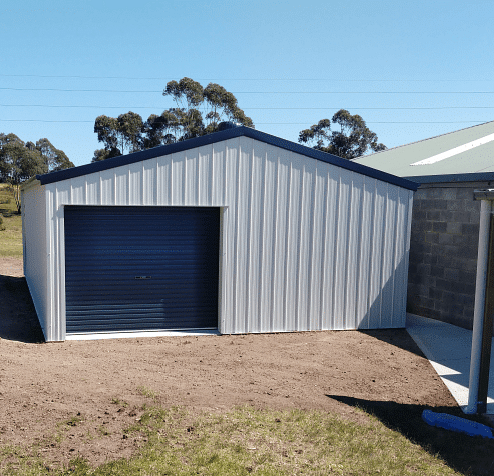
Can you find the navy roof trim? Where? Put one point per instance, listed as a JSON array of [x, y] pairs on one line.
[[454, 178], [218, 137]]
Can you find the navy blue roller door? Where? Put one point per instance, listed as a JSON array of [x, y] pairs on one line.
[[141, 268]]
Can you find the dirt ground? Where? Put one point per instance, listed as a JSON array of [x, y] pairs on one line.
[[44, 385]]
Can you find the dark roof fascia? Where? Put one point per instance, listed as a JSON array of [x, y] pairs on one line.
[[218, 137], [454, 178], [483, 194]]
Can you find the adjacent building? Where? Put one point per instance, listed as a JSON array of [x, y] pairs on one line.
[[445, 222]]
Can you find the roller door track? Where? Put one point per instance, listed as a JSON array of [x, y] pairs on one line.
[[141, 268]]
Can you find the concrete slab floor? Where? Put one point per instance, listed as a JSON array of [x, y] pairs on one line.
[[448, 349]]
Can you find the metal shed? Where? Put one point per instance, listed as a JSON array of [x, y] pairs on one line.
[[238, 231]]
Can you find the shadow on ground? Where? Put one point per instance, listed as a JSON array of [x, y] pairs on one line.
[[18, 320], [467, 455], [397, 337]]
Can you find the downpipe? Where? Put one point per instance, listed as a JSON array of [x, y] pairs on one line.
[[478, 314]]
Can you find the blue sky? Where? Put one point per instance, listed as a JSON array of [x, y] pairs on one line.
[[412, 70]]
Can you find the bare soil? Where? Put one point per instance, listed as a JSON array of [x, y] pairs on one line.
[[68, 397]]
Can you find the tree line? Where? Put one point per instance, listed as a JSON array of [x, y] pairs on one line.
[[200, 111], [21, 160], [352, 140]]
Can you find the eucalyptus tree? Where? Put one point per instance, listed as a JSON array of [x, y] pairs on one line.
[[160, 130], [21, 160], [53, 159], [18, 160], [216, 102], [130, 128], [199, 111], [119, 135], [222, 106], [352, 140]]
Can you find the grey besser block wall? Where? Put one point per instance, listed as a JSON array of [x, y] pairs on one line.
[[443, 253]]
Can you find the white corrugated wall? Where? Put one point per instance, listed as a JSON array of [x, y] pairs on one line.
[[305, 245], [34, 245]]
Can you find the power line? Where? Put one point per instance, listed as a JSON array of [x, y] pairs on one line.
[[256, 108], [242, 79], [251, 92], [281, 123], [386, 122], [40, 120], [78, 90]]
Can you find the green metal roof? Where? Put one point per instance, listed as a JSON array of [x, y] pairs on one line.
[[467, 151]]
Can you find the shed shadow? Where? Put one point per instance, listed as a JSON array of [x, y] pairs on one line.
[[18, 319], [466, 454], [379, 321], [396, 337]]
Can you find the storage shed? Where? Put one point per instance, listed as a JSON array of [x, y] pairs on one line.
[[238, 231]]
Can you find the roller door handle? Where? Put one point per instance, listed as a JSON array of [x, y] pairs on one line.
[[142, 277]]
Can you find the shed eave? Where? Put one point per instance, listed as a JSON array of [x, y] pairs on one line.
[[453, 178], [219, 137]]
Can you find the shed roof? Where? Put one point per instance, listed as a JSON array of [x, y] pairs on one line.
[[464, 155], [218, 137]]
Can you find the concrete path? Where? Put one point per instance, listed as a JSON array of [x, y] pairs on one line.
[[448, 349]]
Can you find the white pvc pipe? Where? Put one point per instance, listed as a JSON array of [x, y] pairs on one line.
[[478, 313]]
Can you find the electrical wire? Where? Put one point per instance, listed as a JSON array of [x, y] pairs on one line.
[[279, 123], [244, 79], [248, 92], [259, 108]]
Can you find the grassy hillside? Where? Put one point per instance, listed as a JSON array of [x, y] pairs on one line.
[[11, 226]]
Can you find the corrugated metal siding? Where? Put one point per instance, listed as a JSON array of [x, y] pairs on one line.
[[305, 245], [34, 250]]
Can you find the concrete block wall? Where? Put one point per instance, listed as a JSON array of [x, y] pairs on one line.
[[443, 252]]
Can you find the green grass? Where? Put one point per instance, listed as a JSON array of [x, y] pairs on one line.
[[72, 421], [117, 401], [251, 441], [11, 228], [146, 392]]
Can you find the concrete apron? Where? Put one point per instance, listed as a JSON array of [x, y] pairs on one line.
[[448, 349]]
